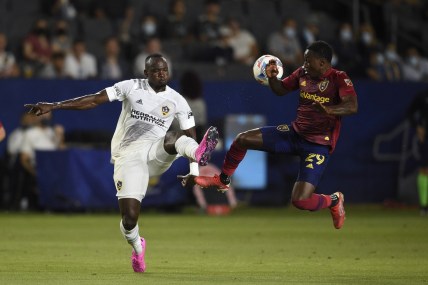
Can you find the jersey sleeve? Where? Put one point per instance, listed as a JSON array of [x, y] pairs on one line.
[[120, 90], [345, 85], [184, 114], [291, 82]]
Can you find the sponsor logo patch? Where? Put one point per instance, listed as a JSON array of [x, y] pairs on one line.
[[314, 97], [165, 110], [118, 185], [147, 118], [348, 82], [323, 85]]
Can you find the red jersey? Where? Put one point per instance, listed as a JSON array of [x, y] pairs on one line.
[[312, 125]]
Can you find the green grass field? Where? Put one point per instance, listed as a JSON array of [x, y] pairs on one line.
[[251, 246]]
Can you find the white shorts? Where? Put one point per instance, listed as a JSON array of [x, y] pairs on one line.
[[133, 170]]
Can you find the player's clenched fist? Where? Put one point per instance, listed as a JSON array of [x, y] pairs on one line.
[[272, 69]]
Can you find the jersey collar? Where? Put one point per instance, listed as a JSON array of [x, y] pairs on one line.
[[327, 73], [151, 90]]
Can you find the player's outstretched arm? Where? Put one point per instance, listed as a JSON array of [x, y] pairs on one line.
[[274, 83], [347, 106], [80, 103]]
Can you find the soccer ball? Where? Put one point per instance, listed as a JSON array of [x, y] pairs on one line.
[[259, 68]]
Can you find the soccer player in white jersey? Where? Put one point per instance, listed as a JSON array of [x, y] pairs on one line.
[[141, 146]]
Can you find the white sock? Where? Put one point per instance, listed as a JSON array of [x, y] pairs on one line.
[[186, 146], [133, 237]]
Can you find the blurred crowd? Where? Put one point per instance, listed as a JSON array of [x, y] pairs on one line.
[[108, 39]]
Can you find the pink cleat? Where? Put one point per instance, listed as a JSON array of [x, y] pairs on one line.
[[214, 181], [206, 147], [138, 263], [338, 211]]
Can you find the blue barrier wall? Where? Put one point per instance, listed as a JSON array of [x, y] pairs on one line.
[[352, 168]]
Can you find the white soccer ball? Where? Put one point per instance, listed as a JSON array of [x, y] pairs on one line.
[[259, 68]]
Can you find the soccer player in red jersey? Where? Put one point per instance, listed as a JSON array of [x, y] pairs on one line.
[[326, 94]]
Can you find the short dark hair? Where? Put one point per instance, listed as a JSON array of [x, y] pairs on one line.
[[154, 55], [321, 49]]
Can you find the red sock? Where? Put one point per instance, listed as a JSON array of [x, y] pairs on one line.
[[314, 203], [233, 157]]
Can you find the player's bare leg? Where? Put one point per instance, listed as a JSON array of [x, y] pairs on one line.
[[130, 210], [251, 139], [304, 198]]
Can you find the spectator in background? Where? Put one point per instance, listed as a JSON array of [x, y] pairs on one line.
[[191, 87], [210, 170], [111, 9], [220, 52], [149, 28], [19, 180], [80, 64], [153, 45], [41, 136], [393, 63], [418, 114], [2, 132], [125, 35], [243, 43], [112, 66], [207, 26], [347, 51], [415, 67], [16, 137], [309, 33], [368, 42], [285, 45], [36, 48], [60, 9], [56, 68], [8, 66], [61, 40], [176, 24], [376, 69]]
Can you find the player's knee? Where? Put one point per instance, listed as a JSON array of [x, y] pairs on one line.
[[241, 139], [172, 136], [170, 139]]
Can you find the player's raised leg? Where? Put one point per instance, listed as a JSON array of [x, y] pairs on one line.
[[247, 140], [188, 147]]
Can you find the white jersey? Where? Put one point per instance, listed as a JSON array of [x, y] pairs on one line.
[[38, 138], [146, 115]]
